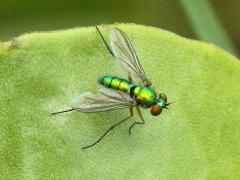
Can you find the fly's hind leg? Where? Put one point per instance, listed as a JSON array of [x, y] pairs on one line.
[[141, 117], [111, 128], [104, 41]]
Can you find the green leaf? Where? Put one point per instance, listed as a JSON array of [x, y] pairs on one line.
[[197, 138]]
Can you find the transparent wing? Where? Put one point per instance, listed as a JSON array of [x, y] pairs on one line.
[[126, 56], [103, 100]]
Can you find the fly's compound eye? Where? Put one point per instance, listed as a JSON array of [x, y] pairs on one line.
[[163, 96], [156, 110]]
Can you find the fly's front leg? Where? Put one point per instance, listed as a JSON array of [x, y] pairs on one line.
[[141, 117], [111, 128]]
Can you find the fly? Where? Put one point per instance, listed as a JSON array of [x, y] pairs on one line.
[[118, 93]]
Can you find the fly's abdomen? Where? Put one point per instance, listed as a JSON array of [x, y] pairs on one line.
[[115, 83]]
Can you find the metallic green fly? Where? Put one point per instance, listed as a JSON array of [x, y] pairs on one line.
[[118, 93]]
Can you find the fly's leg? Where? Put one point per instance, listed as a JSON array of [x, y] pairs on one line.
[[110, 50], [111, 128], [141, 117], [104, 41], [129, 78], [59, 112]]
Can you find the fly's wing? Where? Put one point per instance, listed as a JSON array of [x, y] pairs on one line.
[[126, 56], [103, 100]]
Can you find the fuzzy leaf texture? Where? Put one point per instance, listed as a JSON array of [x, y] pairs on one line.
[[197, 138]]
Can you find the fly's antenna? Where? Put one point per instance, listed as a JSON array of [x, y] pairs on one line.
[[170, 103], [173, 102], [59, 112]]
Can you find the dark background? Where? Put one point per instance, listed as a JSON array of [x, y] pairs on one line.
[[22, 16]]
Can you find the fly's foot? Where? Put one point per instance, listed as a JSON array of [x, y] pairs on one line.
[[130, 128]]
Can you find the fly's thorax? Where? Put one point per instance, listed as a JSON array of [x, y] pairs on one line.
[[115, 83], [145, 96]]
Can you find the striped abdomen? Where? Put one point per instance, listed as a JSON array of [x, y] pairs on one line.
[[143, 95], [115, 83]]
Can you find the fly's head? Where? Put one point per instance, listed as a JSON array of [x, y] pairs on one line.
[[161, 103]]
